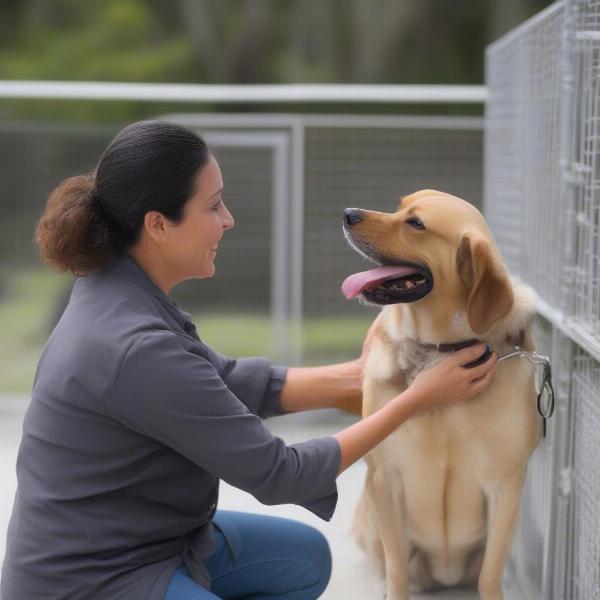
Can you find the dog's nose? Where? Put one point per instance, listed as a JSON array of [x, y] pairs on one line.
[[352, 216]]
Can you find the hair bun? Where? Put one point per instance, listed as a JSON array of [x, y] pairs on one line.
[[97, 206], [73, 233]]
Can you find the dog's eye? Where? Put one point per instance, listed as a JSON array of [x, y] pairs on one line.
[[416, 223]]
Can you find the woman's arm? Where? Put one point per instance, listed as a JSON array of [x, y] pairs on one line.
[[331, 386], [446, 382]]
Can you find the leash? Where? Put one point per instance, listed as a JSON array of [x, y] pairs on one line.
[[546, 391]]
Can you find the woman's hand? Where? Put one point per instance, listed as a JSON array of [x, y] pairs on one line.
[[444, 383], [448, 381]]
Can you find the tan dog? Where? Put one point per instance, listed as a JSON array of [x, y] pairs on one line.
[[442, 493]]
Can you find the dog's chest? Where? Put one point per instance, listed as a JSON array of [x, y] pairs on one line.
[[502, 421], [410, 359], [393, 367]]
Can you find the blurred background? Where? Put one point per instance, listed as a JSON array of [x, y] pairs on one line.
[[352, 162]]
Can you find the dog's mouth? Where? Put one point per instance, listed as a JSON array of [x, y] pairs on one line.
[[392, 284]]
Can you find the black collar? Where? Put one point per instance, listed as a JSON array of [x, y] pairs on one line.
[[454, 346]]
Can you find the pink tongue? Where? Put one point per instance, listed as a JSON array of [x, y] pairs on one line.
[[355, 284]]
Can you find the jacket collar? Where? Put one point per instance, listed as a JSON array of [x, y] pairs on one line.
[[126, 267]]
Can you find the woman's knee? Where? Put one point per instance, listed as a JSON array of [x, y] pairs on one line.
[[296, 557], [316, 550]]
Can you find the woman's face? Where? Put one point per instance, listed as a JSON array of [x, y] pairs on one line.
[[194, 241]]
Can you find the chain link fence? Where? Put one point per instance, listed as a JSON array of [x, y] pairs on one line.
[[542, 201], [287, 179]]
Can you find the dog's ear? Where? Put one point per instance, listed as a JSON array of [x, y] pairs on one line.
[[490, 292]]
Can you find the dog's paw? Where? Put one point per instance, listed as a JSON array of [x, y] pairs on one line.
[[491, 594], [396, 594]]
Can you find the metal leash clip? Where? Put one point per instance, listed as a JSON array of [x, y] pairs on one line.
[[519, 352], [545, 408]]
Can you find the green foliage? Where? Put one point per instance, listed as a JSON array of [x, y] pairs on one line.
[[25, 308], [115, 40], [251, 41]]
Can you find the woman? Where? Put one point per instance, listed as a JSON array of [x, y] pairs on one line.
[[134, 420]]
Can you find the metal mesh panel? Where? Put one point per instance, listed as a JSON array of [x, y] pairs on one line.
[[585, 32], [586, 479], [288, 179], [372, 168], [243, 275], [522, 153], [34, 158], [542, 199], [525, 566]]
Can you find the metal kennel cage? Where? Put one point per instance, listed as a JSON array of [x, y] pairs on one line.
[[542, 201]]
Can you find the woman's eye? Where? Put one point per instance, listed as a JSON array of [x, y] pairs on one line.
[[416, 223], [216, 206]]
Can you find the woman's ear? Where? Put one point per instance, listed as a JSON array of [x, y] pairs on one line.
[[484, 275]]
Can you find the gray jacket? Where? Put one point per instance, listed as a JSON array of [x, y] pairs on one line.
[[132, 422]]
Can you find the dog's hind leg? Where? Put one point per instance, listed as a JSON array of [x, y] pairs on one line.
[[388, 503], [502, 517]]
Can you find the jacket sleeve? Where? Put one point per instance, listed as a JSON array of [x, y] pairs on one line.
[[165, 389], [255, 381]]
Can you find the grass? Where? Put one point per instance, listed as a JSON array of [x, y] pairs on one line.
[[32, 295], [325, 339], [25, 309]]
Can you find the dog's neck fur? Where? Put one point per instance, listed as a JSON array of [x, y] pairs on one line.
[[417, 353]]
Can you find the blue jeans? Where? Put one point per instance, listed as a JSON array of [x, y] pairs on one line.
[[277, 559]]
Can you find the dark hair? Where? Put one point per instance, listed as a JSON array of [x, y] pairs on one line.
[[149, 165]]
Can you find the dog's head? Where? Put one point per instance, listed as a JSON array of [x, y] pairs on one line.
[[434, 248]]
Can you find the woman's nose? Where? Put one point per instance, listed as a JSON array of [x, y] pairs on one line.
[[352, 216], [228, 222]]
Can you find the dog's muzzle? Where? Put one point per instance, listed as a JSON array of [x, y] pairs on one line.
[[393, 282], [409, 284]]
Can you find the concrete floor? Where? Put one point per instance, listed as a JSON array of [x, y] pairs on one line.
[[350, 578]]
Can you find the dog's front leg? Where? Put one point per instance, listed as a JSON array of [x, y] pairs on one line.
[[389, 504], [503, 510]]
